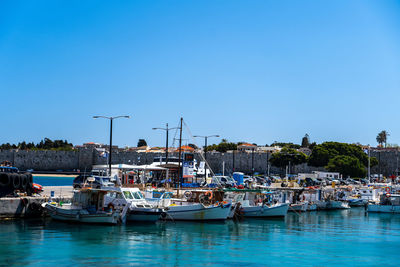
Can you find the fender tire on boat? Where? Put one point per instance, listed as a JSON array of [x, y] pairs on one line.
[[187, 194], [5, 180], [30, 177], [24, 181], [29, 186], [16, 179]]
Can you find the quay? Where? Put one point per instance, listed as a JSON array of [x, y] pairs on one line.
[[30, 206]]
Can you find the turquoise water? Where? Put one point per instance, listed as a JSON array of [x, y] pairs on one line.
[[53, 181], [340, 238]]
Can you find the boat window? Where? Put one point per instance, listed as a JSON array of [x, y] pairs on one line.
[[128, 195], [166, 196], [137, 195], [111, 194], [119, 196]]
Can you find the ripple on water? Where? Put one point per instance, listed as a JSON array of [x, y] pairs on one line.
[[318, 238]]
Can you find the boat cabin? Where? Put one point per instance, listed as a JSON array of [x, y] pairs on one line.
[[389, 200], [90, 199]]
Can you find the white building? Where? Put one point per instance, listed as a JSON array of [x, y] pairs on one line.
[[319, 174]]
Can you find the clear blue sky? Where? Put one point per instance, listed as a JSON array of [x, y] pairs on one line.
[[257, 71]]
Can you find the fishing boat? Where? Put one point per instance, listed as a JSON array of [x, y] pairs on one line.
[[335, 205], [357, 202], [298, 207], [194, 206], [333, 200], [312, 207], [361, 196], [139, 210], [265, 210], [389, 203], [263, 204], [236, 198], [87, 206]]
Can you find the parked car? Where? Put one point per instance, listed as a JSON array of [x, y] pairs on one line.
[[223, 180], [247, 179], [260, 179], [79, 181], [352, 181], [311, 182], [321, 181], [99, 181]]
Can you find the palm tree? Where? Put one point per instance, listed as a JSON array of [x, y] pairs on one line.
[[382, 138]]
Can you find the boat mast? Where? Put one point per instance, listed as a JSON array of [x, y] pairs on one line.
[[180, 153]]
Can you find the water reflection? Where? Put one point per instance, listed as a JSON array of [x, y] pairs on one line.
[[306, 239]]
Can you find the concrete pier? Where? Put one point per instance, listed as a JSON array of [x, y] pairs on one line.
[[24, 206]]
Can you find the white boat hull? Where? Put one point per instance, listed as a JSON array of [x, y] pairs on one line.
[[312, 207], [301, 207], [198, 212], [357, 202], [335, 205], [279, 210], [82, 216], [143, 215], [383, 208]]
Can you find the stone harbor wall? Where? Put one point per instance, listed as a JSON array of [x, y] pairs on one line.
[[84, 159], [48, 160]]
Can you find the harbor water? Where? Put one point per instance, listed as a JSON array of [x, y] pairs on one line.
[[340, 238], [53, 180]]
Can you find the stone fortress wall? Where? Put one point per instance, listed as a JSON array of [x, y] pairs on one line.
[[84, 159]]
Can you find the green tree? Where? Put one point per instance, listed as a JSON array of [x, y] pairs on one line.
[[312, 145], [323, 154], [22, 145], [286, 155], [141, 142], [289, 145], [381, 138], [347, 166], [45, 144], [222, 147]]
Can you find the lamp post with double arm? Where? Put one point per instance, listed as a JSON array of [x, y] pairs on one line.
[[166, 129], [111, 128]]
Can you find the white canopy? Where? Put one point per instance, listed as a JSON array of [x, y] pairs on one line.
[[149, 168], [130, 167]]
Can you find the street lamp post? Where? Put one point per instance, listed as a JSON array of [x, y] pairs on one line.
[[205, 150], [252, 163], [166, 129], [111, 127], [369, 164]]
